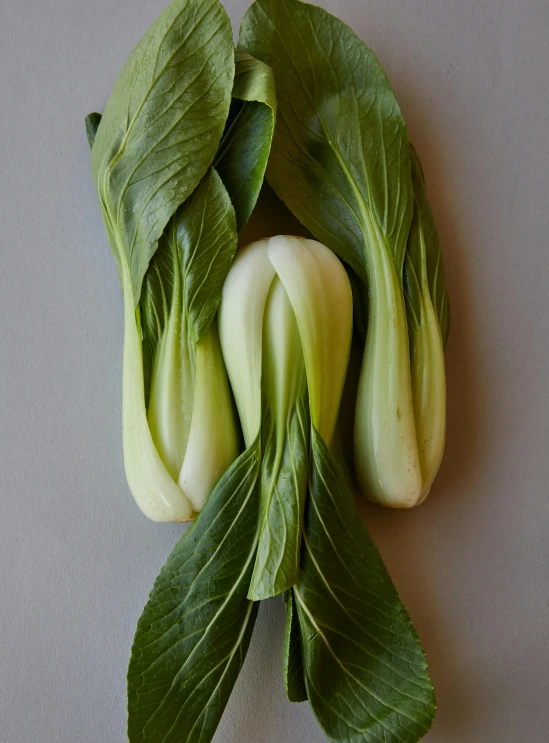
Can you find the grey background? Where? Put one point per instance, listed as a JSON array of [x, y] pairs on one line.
[[77, 558]]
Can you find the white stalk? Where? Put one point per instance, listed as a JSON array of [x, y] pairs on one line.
[[241, 328], [172, 383], [386, 452], [283, 371], [154, 490], [320, 295]]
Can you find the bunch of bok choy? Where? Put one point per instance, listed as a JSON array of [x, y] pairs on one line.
[[235, 361]]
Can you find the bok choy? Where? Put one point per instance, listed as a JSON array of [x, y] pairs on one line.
[[156, 140], [185, 128], [341, 162], [285, 326], [224, 347]]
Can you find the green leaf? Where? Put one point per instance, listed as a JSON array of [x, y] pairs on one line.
[[244, 150], [339, 157], [292, 666], [284, 477], [425, 264], [161, 128], [192, 637], [162, 298], [365, 671], [92, 122]]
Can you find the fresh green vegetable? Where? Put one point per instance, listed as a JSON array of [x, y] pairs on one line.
[[178, 159], [285, 327], [176, 385], [156, 140], [287, 307], [340, 161]]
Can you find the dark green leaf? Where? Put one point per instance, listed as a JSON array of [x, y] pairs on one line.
[[365, 671], [161, 128], [292, 667], [92, 122], [244, 149], [339, 157], [284, 478], [194, 632], [424, 258]]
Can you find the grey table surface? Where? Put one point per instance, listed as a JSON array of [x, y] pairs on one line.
[[77, 558]]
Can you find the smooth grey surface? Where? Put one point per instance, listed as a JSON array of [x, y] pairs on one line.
[[77, 558]]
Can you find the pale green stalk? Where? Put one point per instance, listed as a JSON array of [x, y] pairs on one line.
[[212, 443], [386, 452], [172, 384], [321, 297], [241, 330], [152, 486]]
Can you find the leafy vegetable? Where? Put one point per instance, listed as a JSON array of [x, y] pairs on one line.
[[178, 160], [151, 148], [340, 161], [192, 425], [285, 326], [343, 613]]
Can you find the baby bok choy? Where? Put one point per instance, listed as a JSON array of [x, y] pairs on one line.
[[178, 159], [341, 162], [285, 326]]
